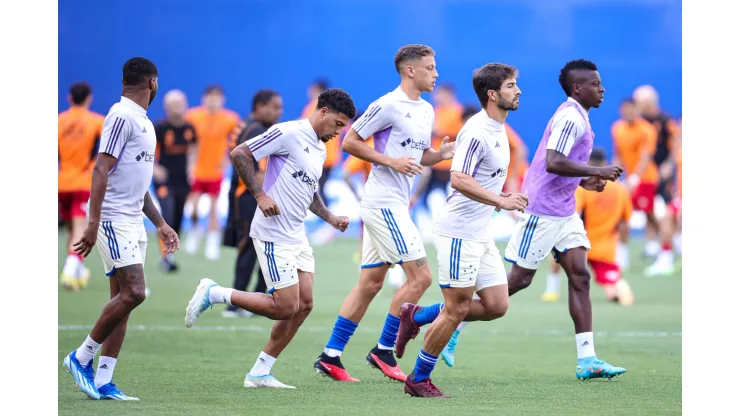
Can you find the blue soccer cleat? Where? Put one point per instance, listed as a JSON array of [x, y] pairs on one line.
[[448, 353], [84, 375], [110, 392], [591, 367], [199, 302]]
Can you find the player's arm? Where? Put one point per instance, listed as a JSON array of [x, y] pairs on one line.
[[151, 212], [165, 232], [317, 207], [249, 134], [375, 119], [243, 157], [431, 157]]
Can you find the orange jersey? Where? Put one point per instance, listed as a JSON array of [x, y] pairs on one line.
[[213, 131], [308, 109], [631, 141], [602, 212], [354, 164], [79, 130], [447, 122]]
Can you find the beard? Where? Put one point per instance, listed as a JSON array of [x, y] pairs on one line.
[[152, 94], [326, 139], [507, 105]]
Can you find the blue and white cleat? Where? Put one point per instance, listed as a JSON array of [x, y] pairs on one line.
[[268, 380], [84, 375], [199, 302], [110, 392], [448, 353], [592, 367]]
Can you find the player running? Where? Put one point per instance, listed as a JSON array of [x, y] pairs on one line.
[[118, 196], [295, 152], [401, 125]]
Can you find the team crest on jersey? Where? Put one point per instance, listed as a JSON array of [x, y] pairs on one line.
[[145, 156]]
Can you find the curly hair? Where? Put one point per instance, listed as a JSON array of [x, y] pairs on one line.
[[336, 99]]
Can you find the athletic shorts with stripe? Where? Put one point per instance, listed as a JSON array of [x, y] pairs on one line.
[[280, 263], [535, 237], [121, 244], [389, 237], [465, 263]]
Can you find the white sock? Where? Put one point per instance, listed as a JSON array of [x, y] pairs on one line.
[[213, 237], [462, 325], [384, 347], [263, 365], [331, 352], [71, 265], [553, 283], [87, 351], [652, 248], [623, 256], [585, 345], [220, 294], [104, 375]]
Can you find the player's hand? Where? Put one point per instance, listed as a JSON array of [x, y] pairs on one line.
[[514, 202], [89, 237], [268, 207], [609, 173], [340, 223], [593, 183], [169, 238], [406, 165], [447, 149]]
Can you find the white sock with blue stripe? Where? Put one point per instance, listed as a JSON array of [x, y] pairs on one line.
[[220, 294]]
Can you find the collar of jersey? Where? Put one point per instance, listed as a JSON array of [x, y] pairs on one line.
[[491, 122], [132, 105], [579, 107]]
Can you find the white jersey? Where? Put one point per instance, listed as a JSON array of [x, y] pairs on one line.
[[295, 161], [481, 151], [128, 135], [400, 127]]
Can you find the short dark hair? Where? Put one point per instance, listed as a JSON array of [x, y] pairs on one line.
[[213, 88], [469, 111], [79, 91], [137, 71], [411, 53], [598, 155], [321, 83], [491, 77], [263, 97], [565, 78], [337, 100]]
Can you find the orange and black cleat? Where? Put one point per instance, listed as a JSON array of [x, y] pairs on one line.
[[332, 367], [384, 361]]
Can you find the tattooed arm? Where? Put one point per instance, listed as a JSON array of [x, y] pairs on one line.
[[317, 207], [151, 211], [166, 233], [243, 161]]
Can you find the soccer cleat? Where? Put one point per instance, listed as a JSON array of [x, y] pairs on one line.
[[267, 380], [591, 367], [84, 375], [69, 282], [663, 266], [199, 302], [550, 297], [84, 278], [408, 329], [448, 353], [110, 392], [423, 388], [332, 367], [383, 360], [236, 313]]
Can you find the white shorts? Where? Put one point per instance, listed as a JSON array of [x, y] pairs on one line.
[[121, 244], [280, 262], [535, 237], [390, 237], [465, 263]]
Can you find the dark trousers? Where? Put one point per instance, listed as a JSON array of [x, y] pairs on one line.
[[173, 206], [246, 261]]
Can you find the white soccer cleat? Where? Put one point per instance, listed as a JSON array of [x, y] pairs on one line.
[[663, 265], [268, 380], [199, 302]]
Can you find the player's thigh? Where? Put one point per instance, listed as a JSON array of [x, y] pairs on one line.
[[279, 264], [121, 244], [131, 280], [532, 240], [491, 272], [459, 261], [571, 234], [574, 264], [305, 289], [392, 235]]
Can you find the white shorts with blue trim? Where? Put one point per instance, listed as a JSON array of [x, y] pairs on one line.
[[121, 244], [465, 263], [389, 237], [280, 263], [536, 236]]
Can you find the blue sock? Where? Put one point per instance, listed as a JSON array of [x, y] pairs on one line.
[[424, 365], [428, 313], [390, 331], [343, 330]]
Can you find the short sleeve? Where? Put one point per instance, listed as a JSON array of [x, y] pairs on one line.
[[268, 143], [376, 118], [566, 129], [117, 130], [470, 150]]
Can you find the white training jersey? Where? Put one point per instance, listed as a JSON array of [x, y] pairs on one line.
[[481, 151], [295, 161], [400, 127], [128, 135]]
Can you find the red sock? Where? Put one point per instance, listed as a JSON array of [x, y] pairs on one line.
[[667, 246], [73, 253]]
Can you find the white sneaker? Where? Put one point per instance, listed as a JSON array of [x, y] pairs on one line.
[[663, 265], [199, 302], [268, 380]]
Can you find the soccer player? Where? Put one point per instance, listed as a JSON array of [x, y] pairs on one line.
[[401, 125], [118, 196], [295, 152], [214, 124], [267, 108], [79, 132], [175, 141]]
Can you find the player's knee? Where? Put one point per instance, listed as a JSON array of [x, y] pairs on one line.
[[497, 309], [420, 280], [520, 278], [371, 284], [580, 279], [286, 311], [457, 310], [305, 307], [133, 298]]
